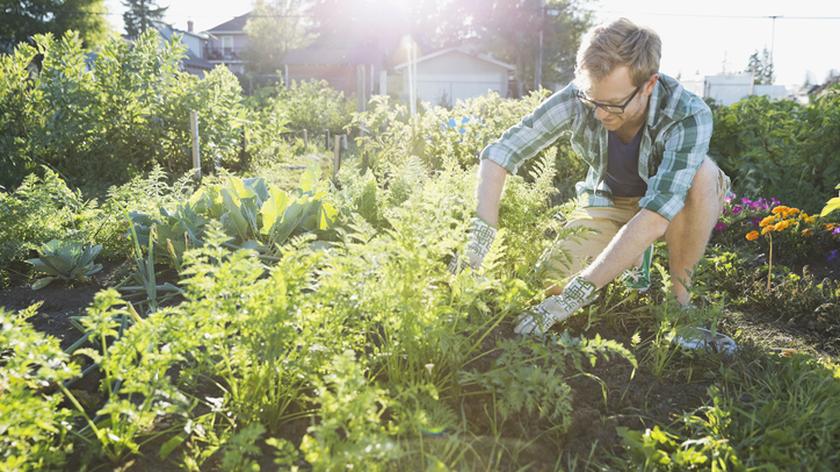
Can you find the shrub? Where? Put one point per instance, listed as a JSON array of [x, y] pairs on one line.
[[41, 209], [103, 116], [780, 148]]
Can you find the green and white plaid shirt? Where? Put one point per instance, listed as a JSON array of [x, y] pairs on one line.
[[675, 140]]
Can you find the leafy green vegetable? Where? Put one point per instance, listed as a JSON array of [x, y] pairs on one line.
[[65, 260]]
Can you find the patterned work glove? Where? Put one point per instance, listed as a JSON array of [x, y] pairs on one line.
[[578, 293], [479, 239]]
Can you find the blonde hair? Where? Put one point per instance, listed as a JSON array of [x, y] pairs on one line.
[[619, 43]]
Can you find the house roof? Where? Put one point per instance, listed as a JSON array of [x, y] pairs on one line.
[[481, 57], [194, 61], [236, 25], [160, 26]]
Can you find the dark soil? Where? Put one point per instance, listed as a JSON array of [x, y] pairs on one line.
[[60, 301]]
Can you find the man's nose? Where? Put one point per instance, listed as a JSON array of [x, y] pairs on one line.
[[601, 114]]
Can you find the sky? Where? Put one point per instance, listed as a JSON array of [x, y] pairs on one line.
[[700, 37]]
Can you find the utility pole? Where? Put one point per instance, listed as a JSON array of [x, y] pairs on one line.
[[773, 45], [539, 66]]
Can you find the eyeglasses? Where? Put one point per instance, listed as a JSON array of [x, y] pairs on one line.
[[607, 107]]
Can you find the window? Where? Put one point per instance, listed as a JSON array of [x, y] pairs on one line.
[[227, 45]]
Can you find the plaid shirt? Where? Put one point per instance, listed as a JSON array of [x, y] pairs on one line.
[[675, 141]]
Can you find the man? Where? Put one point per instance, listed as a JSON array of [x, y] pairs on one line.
[[645, 139]]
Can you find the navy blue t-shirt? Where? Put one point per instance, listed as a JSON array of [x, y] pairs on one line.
[[623, 167]]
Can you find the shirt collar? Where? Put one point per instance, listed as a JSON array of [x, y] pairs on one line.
[[653, 104]]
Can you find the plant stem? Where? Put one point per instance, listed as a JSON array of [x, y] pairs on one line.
[[770, 263]]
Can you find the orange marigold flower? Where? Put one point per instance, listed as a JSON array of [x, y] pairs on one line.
[[810, 219], [780, 209], [752, 235], [767, 229], [807, 232], [767, 220], [791, 212], [830, 226], [782, 225]]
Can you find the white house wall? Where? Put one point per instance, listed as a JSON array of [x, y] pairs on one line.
[[456, 76]]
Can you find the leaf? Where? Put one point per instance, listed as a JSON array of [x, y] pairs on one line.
[[309, 179], [830, 206], [328, 216], [170, 445], [41, 283], [232, 219], [273, 209]]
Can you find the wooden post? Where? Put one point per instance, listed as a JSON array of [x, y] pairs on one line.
[[305, 138], [196, 156], [336, 156], [361, 149]]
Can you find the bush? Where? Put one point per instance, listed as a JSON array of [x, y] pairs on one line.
[[780, 148], [313, 106], [103, 116], [41, 209]]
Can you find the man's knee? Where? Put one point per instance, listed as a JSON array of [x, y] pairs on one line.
[[703, 188]]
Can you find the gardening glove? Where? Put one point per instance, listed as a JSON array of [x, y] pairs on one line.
[[537, 320], [479, 239]]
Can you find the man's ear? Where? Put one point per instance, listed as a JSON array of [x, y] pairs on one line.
[[651, 83]]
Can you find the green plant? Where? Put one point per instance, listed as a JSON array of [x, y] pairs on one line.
[[65, 260], [254, 215], [670, 320], [34, 424], [349, 433], [41, 209], [138, 392], [103, 118], [780, 148], [313, 106]]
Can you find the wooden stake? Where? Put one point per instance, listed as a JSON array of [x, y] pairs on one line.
[[336, 156], [305, 138], [196, 156]]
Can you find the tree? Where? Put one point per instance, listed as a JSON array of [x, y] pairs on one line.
[[510, 30], [22, 19], [140, 16], [275, 27], [761, 66]]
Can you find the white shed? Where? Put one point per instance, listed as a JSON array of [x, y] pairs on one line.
[[456, 74]]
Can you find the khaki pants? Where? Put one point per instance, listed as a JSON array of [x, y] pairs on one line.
[[569, 255]]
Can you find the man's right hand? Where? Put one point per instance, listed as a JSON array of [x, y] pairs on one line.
[[480, 238]]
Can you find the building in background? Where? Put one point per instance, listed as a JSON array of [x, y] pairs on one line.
[[227, 42], [726, 89], [452, 74], [195, 62]]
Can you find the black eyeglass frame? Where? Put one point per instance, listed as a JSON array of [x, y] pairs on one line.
[[609, 107]]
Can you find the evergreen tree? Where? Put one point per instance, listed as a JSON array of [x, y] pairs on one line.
[[21, 19], [761, 67], [140, 16]]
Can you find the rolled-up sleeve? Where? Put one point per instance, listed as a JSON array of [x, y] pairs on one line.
[[535, 132], [685, 148]]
